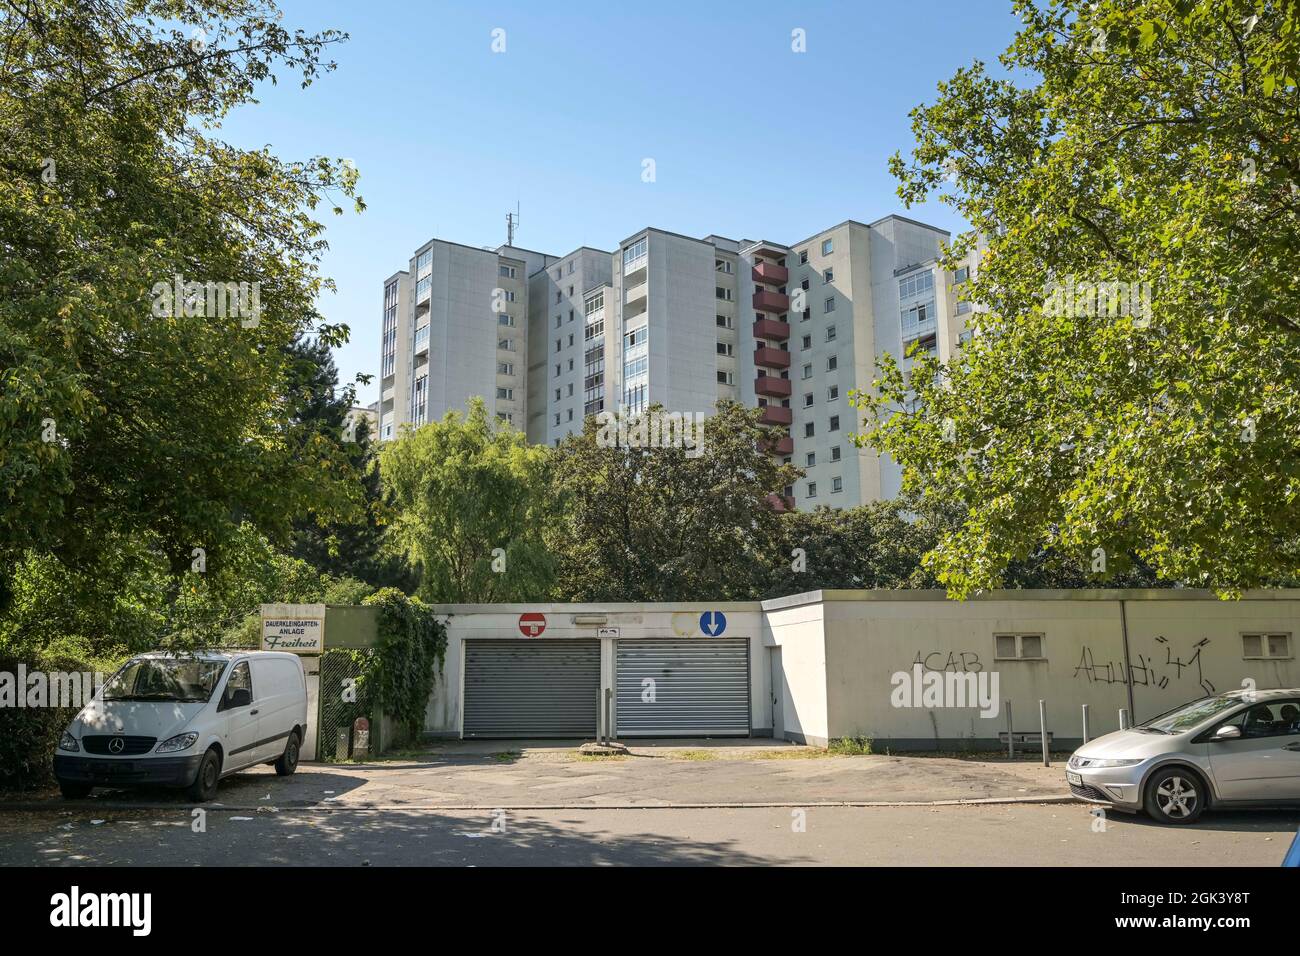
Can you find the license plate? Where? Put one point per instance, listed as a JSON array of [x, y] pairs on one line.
[[114, 769], [1073, 778]]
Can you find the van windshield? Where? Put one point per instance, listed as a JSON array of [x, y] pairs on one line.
[[186, 679]]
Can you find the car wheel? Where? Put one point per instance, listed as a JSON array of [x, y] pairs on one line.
[[1175, 796], [74, 791], [288, 761], [204, 787]]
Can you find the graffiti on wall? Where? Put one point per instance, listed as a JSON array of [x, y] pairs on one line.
[[954, 661], [1147, 669]]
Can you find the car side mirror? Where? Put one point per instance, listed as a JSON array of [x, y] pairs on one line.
[[1227, 732]]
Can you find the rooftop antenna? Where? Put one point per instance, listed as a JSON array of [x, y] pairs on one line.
[[512, 223]]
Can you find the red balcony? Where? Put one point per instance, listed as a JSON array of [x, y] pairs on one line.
[[776, 415], [772, 329], [780, 502], [770, 273], [772, 387], [784, 446], [771, 358], [767, 301]]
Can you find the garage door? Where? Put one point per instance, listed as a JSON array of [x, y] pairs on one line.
[[527, 688], [701, 687]]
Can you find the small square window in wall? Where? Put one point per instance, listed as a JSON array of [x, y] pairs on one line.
[[803, 257], [828, 246], [812, 489], [1264, 647], [1018, 647]]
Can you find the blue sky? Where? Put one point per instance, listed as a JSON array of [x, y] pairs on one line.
[[449, 135]]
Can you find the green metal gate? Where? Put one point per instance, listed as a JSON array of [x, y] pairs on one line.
[[343, 697]]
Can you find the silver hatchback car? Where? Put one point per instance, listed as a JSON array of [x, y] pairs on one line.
[[1240, 749]]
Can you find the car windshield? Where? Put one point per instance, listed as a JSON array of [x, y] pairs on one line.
[[1190, 715], [184, 679]]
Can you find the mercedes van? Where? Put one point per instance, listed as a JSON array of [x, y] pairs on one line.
[[186, 720]]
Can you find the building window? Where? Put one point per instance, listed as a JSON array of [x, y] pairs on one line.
[[835, 423], [570, 414], [507, 272], [830, 333], [559, 296], [558, 321], [557, 394], [570, 291], [721, 293], [837, 484], [570, 390], [633, 253], [803, 257], [832, 363], [917, 284], [808, 430], [1018, 647], [724, 348], [507, 394], [827, 247], [570, 271], [570, 339], [835, 453], [506, 345], [829, 304], [810, 459], [807, 341], [804, 285], [808, 400], [807, 371], [570, 315], [963, 306], [570, 365], [1266, 647], [812, 489], [724, 322], [557, 371], [725, 378], [559, 345], [557, 418], [505, 368], [961, 275], [722, 265], [828, 276], [832, 393], [505, 318]]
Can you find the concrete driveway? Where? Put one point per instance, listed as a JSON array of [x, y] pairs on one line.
[[532, 775]]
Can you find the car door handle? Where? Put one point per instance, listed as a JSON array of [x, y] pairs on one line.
[[252, 713]]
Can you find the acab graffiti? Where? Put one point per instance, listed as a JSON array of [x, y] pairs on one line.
[[1146, 669]]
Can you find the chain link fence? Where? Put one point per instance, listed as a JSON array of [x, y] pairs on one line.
[[343, 698]]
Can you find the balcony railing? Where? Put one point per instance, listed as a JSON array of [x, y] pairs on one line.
[[767, 301], [772, 387], [772, 329], [771, 358], [776, 415], [770, 273]]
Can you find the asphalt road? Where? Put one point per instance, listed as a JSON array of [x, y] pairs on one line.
[[1030, 835]]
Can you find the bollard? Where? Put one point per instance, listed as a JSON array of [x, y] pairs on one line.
[[1085, 723], [1123, 719], [341, 748], [1042, 730], [1011, 735]]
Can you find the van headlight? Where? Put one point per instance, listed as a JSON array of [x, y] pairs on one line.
[[179, 742], [69, 742]]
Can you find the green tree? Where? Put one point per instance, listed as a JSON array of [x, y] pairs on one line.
[[125, 414], [665, 523], [1151, 145], [470, 505]]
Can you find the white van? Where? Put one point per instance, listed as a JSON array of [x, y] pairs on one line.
[[186, 720]]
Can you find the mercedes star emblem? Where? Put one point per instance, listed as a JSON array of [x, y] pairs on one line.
[[116, 745]]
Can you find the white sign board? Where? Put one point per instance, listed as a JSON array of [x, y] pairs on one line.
[[296, 628]]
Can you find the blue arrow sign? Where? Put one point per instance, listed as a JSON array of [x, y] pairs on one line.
[[1293, 854], [713, 623]]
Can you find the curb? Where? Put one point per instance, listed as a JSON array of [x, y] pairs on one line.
[[1052, 798]]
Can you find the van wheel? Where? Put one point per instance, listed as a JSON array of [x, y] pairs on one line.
[[204, 787], [74, 791], [288, 761], [1174, 796]]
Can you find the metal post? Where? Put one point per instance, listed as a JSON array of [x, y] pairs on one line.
[[1123, 719], [1085, 723], [1042, 730], [602, 731], [1011, 735], [609, 698]]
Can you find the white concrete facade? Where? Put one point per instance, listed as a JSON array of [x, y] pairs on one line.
[[824, 665]]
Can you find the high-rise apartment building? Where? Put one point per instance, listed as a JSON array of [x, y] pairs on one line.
[[681, 322]]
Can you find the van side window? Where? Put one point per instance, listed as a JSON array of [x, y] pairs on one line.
[[239, 689]]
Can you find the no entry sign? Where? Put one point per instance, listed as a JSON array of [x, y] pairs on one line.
[[532, 624]]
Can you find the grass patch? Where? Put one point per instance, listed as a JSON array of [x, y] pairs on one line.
[[790, 753], [598, 758], [850, 746], [507, 756], [694, 755]]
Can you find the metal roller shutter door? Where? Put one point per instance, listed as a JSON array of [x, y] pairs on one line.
[[523, 688], [701, 687]]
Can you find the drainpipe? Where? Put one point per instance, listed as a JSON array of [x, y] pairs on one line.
[[1128, 664]]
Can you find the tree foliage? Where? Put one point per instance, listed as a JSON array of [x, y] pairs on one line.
[[1150, 144], [470, 506]]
